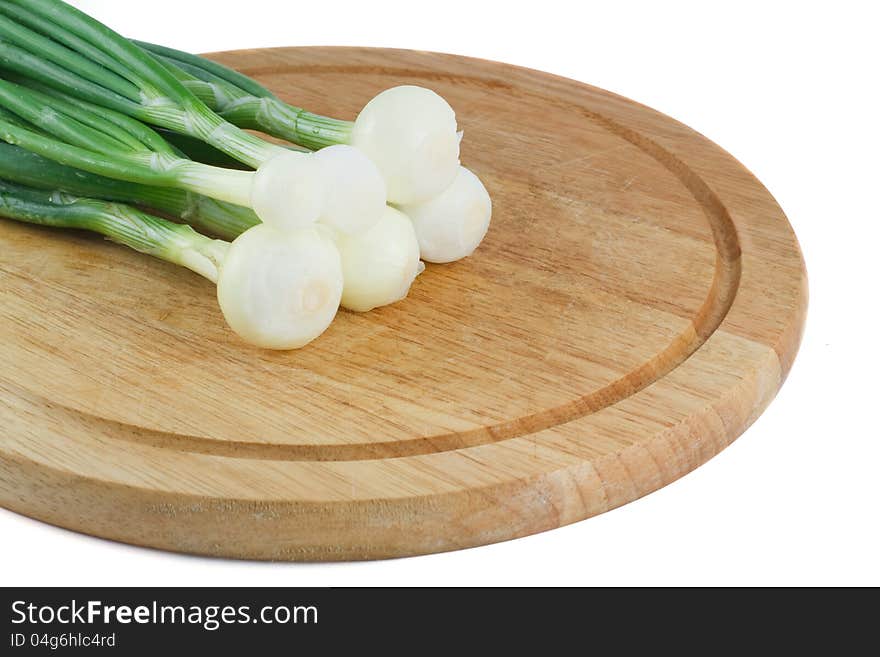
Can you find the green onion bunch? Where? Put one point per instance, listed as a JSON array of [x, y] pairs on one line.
[[101, 133]]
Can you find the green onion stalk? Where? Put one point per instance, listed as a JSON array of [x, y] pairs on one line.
[[409, 132], [402, 129], [248, 104], [217, 218], [76, 133], [378, 264], [100, 141], [276, 289], [50, 43]]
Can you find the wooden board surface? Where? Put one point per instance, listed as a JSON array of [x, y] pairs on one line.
[[637, 303]]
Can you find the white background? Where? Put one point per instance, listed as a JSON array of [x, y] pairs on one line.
[[790, 89]]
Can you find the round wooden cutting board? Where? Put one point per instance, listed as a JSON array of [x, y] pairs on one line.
[[637, 303]]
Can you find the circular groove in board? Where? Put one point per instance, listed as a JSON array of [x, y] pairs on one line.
[[637, 302], [279, 436], [708, 317]]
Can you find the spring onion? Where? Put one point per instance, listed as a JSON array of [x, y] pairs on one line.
[[409, 132], [289, 191], [451, 225], [215, 217], [54, 44], [276, 289], [448, 230], [280, 290], [379, 264]]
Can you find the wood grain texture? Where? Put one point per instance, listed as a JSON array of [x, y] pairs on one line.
[[637, 303]]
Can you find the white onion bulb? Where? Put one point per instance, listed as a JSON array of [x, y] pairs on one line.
[[288, 191], [410, 133], [379, 264], [451, 225], [355, 190], [280, 289]]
